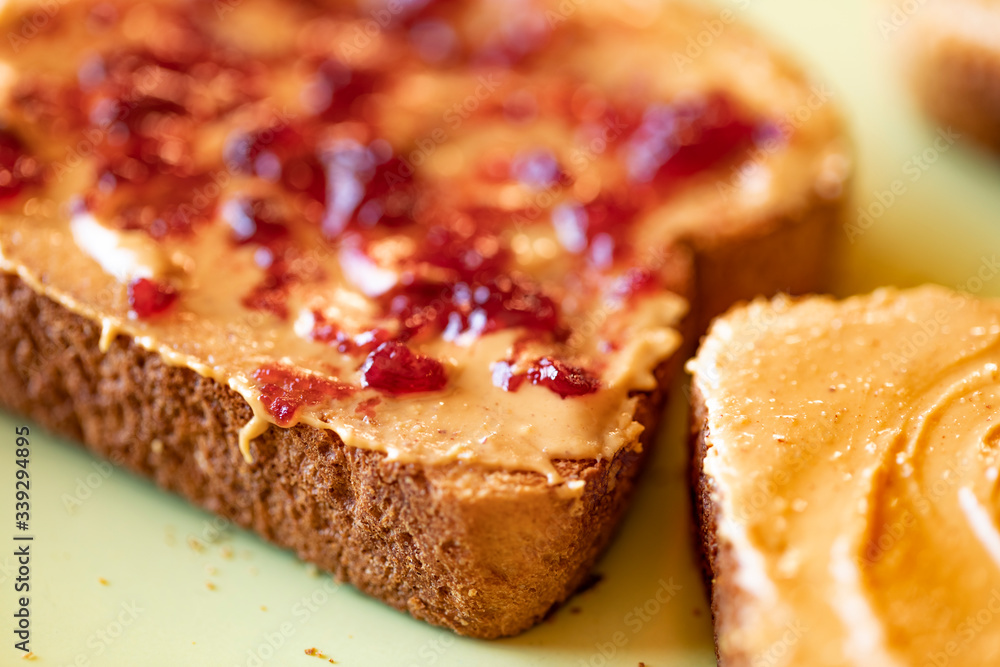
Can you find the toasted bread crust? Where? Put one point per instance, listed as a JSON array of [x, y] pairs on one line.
[[789, 252], [486, 553], [957, 80], [718, 564]]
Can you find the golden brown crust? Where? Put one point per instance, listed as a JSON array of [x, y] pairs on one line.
[[717, 559], [790, 252], [956, 77], [486, 553]]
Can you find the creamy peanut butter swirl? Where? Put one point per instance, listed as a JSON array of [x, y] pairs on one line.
[[445, 230], [854, 450]]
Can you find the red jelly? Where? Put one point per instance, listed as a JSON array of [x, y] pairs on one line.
[[425, 307], [395, 369], [368, 186], [553, 374], [335, 89], [682, 139], [284, 392], [17, 168], [149, 298], [327, 332], [255, 221], [282, 154]]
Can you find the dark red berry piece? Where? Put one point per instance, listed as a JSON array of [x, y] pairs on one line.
[[562, 378], [284, 392], [553, 374], [149, 298], [395, 369]]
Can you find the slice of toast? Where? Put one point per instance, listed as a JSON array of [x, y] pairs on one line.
[[398, 287], [845, 474], [952, 55]]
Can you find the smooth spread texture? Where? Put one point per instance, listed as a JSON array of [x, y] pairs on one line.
[[446, 230], [853, 448]]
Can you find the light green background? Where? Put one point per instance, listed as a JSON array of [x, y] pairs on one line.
[[158, 610]]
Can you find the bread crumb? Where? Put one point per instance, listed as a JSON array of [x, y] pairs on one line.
[[263, 607], [102, 581], [316, 653], [30, 655], [196, 545], [227, 553], [209, 585]]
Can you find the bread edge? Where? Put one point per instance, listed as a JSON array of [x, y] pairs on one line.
[[718, 564], [486, 553]]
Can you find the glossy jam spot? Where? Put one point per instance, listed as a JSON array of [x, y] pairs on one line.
[[537, 169], [470, 251], [18, 169], [395, 369], [682, 139], [558, 376], [255, 221], [148, 298], [270, 295], [325, 331], [280, 153], [597, 229], [637, 280], [456, 309], [167, 206], [143, 138], [284, 392], [368, 187], [366, 408], [334, 91], [259, 223]]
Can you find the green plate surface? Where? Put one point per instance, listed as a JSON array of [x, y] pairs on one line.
[[124, 574]]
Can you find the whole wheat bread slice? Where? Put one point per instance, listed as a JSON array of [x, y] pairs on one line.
[[485, 550]]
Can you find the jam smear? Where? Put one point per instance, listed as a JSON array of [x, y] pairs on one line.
[[279, 153], [335, 90], [368, 187], [395, 369], [259, 222], [598, 229], [255, 220], [424, 308], [18, 169], [556, 375], [284, 392], [149, 298], [469, 250], [325, 331], [682, 139]]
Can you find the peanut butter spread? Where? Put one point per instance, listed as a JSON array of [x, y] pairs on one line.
[[445, 230], [853, 450]]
